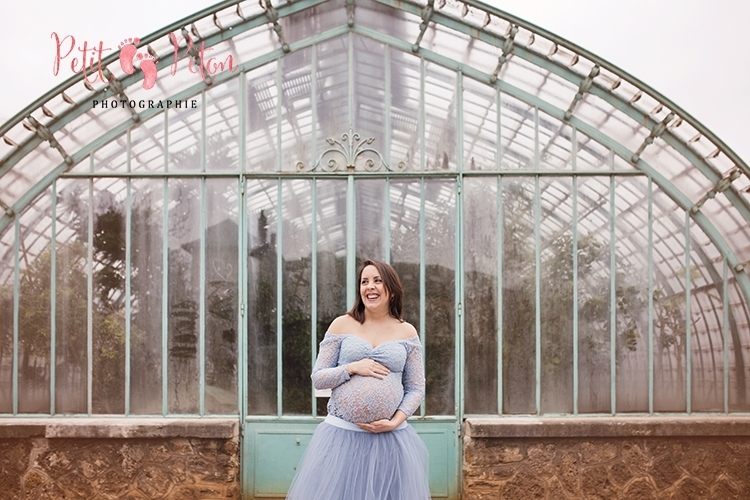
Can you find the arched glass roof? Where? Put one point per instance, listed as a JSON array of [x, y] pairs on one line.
[[530, 103]]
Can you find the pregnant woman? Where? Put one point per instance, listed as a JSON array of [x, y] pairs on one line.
[[372, 360]]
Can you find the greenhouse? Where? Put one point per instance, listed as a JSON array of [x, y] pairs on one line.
[[180, 227]]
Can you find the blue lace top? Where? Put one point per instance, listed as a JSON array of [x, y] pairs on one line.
[[358, 398]]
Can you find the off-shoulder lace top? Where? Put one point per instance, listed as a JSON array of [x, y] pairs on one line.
[[359, 398]]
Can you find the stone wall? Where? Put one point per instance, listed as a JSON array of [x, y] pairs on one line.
[[145, 461], [633, 459]]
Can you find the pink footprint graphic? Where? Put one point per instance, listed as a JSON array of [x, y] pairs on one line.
[[127, 51], [148, 66]]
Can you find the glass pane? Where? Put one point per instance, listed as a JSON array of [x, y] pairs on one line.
[[519, 310], [296, 244], [108, 376], [669, 305], [594, 298], [71, 294], [556, 247], [262, 229], [480, 294], [517, 129], [7, 280], [440, 118], [555, 143], [739, 342], [261, 133], [404, 119], [184, 233], [331, 248], [332, 97], [405, 255], [440, 295], [147, 145], [631, 281], [296, 109], [371, 217], [221, 295], [185, 134], [222, 126], [480, 125], [34, 308], [146, 300], [369, 89]]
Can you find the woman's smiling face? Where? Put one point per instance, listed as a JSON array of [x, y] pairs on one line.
[[372, 289]]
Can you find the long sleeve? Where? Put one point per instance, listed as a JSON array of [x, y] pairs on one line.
[[326, 373], [413, 378]]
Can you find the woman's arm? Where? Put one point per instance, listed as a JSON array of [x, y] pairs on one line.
[[326, 373]]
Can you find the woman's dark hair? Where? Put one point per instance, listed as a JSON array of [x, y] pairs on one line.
[[391, 282]]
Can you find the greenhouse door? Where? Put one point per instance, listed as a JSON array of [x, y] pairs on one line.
[[305, 236]]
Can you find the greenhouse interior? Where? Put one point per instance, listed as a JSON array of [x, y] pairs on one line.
[[174, 244]]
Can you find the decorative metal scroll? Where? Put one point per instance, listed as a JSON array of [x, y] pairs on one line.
[[349, 152]]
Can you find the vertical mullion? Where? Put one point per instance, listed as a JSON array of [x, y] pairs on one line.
[[202, 297], [421, 128], [498, 132], [500, 244], [53, 302], [650, 298], [459, 328], [350, 89], [422, 255], [688, 353], [314, 105], [314, 287], [574, 145], [202, 268], [460, 121], [279, 300], [165, 302], [90, 301], [388, 97], [279, 109], [242, 284], [499, 250], [387, 205], [16, 307], [537, 293], [351, 241], [128, 312], [165, 279], [242, 253], [612, 297], [725, 305], [314, 236], [459, 350], [537, 268], [575, 287]]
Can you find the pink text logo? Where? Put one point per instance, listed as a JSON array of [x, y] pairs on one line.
[[87, 59]]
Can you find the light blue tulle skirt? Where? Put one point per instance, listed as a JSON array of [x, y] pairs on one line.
[[344, 462]]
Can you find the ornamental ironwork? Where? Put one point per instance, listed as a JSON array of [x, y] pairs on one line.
[[348, 153]]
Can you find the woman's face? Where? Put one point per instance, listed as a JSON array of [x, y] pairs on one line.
[[373, 291]]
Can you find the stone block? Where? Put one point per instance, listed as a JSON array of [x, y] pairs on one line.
[[642, 489]]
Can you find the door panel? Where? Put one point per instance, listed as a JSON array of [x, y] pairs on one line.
[[272, 449]]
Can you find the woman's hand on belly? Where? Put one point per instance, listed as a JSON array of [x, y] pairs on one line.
[[377, 426], [384, 425], [367, 367]]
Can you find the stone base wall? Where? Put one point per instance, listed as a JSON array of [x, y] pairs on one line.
[[159, 463], [606, 459]]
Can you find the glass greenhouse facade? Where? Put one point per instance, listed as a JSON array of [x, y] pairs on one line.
[[571, 242]]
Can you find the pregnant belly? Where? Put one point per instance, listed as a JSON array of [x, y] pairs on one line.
[[366, 399]]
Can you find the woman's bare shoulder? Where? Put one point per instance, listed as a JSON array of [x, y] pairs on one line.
[[406, 330], [343, 324]]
